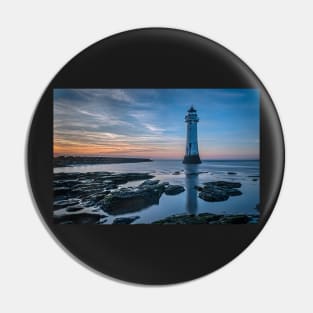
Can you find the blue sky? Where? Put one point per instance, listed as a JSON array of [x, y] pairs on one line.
[[150, 122]]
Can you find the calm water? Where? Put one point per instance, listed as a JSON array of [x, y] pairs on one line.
[[190, 176]]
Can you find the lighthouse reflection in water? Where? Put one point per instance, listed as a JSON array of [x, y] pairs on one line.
[[191, 183]]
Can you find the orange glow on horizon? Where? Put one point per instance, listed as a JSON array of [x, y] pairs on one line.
[[144, 152]]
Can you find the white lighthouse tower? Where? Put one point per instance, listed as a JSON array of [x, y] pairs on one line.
[[192, 153]]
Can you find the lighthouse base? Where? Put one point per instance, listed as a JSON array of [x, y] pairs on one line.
[[192, 159]]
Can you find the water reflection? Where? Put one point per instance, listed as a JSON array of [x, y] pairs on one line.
[[192, 180]]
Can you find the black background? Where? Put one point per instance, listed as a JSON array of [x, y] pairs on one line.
[[154, 58]]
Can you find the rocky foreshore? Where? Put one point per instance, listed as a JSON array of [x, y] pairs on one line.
[[132, 199], [208, 218], [79, 197], [87, 197], [93, 197], [62, 161]]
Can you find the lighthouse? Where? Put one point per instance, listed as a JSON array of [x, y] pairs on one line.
[[192, 153]]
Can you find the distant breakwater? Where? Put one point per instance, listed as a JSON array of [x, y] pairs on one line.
[[62, 161]]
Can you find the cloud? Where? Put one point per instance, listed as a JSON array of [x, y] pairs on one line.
[[121, 95], [89, 94], [154, 128], [150, 122]]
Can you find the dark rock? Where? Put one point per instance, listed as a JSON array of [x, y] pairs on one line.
[[65, 203], [65, 182], [208, 218], [96, 210], [174, 189], [149, 182], [182, 219], [126, 177], [231, 173], [254, 179], [125, 220], [62, 191], [77, 218], [110, 186], [89, 189], [224, 184], [132, 199], [96, 197], [74, 208], [234, 192], [213, 196], [176, 173], [219, 191], [235, 219]]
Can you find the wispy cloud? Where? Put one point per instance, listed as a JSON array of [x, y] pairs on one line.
[[154, 128], [150, 122]]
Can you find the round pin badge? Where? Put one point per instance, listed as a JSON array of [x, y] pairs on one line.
[[155, 156]]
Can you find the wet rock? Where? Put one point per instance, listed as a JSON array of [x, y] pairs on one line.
[[62, 191], [94, 198], [182, 219], [149, 182], [131, 199], [208, 218], [125, 220], [78, 218], [231, 173], [234, 192], [254, 179], [219, 191], [235, 219], [74, 208], [126, 177], [213, 195], [176, 173], [224, 184], [65, 182], [96, 210], [174, 189], [78, 214], [89, 189], [65, 203], [109, 186], [95, 179]]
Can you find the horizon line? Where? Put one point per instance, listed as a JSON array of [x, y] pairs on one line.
[[157, 159]]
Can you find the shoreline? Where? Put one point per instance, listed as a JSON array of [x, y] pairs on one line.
[[68, 161], [77, 161]]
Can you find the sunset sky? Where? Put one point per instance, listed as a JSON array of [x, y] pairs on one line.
[[150, 122]]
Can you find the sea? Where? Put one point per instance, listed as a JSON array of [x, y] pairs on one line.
[[246, 172]]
